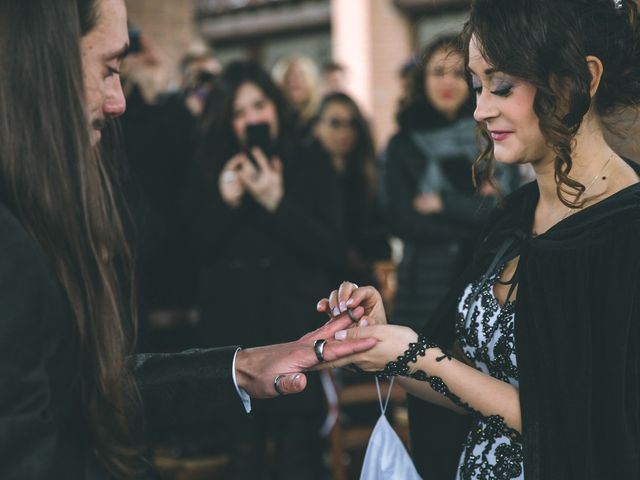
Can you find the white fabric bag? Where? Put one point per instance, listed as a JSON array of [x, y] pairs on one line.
[[386, 457]]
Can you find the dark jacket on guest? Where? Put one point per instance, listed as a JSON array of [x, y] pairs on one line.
[[266, 271], [432, 242], [365, 231]]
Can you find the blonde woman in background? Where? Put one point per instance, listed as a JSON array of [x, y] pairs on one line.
[[298, 78]]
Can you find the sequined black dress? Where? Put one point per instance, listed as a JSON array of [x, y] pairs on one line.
[[486, 336]]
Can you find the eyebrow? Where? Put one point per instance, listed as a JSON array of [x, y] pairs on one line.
[[487, 72], [118, 54]]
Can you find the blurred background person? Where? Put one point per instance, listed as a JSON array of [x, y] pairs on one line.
[[432, 203], [334, 78], [268, 232], [199, 70], [297, 76], [343, 132], [158, 130]]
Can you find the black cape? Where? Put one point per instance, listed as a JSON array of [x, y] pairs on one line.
[[577, 319]]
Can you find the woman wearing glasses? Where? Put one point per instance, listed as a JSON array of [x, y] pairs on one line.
[[343, 132]]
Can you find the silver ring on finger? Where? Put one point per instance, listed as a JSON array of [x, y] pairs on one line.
[[228, 177], [318, 348], [276, 384]]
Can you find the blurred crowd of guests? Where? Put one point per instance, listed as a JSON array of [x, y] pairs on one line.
[[252, 194]]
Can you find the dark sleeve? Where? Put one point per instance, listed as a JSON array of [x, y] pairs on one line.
[[186, 389], [309, 220], [403, 169], [29, 441]]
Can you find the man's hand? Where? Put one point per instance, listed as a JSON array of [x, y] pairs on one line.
[[257, 368]]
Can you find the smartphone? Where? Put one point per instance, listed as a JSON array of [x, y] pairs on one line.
[[259, 135]]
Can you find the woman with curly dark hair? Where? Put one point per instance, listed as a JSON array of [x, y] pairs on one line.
[[536, 346]]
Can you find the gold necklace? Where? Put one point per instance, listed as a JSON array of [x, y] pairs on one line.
[[574, 210]]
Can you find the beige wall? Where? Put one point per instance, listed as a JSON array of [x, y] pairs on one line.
[[169, 25]]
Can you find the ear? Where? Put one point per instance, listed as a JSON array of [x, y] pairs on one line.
[[597, 69]]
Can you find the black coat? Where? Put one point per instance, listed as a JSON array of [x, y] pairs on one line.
[[432, 242], [43, 434], [577, 335], [268, 270]]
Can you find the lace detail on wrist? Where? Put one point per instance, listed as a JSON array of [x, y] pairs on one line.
[[419, 348], [415, 349]]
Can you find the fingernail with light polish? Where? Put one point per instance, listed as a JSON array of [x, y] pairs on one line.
[[336, 311], [319, 305], [363, 323], [349, 302], [341, 335], [343, 306]]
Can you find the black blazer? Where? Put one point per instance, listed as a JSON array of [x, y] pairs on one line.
[[43, 434]]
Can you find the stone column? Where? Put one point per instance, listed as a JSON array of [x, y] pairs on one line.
[[372, 38]]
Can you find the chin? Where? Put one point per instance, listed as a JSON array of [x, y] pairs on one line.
[[507, 158]]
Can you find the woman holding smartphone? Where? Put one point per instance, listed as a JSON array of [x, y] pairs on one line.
[[268, 232]]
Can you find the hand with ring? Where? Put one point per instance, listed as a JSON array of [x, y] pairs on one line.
[[359, 303], [231, 188], [265, 372]]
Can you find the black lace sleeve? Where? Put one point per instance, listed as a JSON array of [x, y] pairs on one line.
[[419, 348]]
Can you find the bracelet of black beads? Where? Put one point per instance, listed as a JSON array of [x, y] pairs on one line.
[[415, 349]]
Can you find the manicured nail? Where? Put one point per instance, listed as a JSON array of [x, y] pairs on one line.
[[341, 335], [349, 302], [319, 305], [363, 323], [336, 311], [343, 306]]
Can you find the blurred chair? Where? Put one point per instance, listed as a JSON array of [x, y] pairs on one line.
[[385, 272]]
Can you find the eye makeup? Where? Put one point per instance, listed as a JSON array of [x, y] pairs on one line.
[[500, 85]]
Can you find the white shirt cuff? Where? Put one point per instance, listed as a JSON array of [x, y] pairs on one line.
[[244, 396]]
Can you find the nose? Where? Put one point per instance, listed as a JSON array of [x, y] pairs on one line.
[[254, 116], [114, 103], [485, 108]]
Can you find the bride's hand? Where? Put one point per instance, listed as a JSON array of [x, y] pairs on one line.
[[391, 342], [365, 303]]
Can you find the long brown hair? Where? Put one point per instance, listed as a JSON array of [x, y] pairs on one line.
[[61, 189], [546, 42]]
